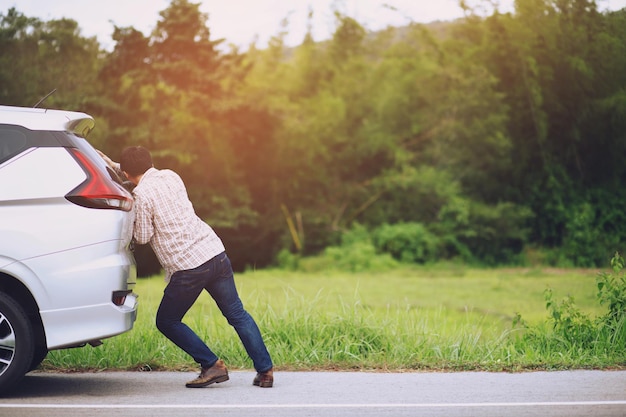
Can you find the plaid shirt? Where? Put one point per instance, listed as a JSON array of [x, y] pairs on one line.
[[166, 219]]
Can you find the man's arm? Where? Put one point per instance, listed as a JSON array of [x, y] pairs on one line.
[[112, 164], [143, 229], [115, 166]]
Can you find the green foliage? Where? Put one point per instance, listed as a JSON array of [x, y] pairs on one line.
[[357, 257], [408, 242], [585, 227], [493, 234], [575, 331], [287, 260], [583, 238], [37, 58], [386, 320], [357, 253], [612, 292], [570, 325], [494, 133], [412, 194]]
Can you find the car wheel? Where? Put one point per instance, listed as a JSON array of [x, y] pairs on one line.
[[16, 343], [39, 355]]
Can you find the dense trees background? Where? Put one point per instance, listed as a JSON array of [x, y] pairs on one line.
[[493, 139]]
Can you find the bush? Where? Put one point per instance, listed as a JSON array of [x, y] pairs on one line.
[[585, 243], [287, 260], [407, 242], [490, 234], [574, 331], [358, 257], [570, 325], [612, 292], [580, 228], [356, 253]]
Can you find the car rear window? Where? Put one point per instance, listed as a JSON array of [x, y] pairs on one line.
[[12, 142]]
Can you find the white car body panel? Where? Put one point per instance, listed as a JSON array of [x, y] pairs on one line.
[[28, 176]]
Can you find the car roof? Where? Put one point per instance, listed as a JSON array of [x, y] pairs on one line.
[[47, 119]]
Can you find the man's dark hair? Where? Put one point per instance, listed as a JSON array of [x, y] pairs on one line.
[[135, 160]]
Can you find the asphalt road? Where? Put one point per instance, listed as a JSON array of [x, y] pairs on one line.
[[297, 394]]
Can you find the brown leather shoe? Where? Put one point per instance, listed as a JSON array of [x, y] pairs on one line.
[[264, 379], [216, 373]]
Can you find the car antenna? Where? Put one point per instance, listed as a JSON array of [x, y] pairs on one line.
[[45, 97]]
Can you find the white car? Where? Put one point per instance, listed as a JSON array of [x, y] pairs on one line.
[[66, 269]]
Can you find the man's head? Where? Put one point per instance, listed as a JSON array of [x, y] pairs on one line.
[[135, 161]]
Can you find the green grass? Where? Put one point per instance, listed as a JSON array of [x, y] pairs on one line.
[[444, 318]]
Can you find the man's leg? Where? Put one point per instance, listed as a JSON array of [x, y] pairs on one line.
[[178, 297], [222, 288]]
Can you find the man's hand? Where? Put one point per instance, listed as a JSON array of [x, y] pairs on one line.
[[109, 161], [115, 166]]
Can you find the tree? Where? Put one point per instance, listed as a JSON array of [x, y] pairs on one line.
[[38, 58]]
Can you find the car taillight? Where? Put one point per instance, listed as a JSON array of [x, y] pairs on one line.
[[98, 191]]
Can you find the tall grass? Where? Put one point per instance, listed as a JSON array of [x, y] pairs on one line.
[[574, 333], [444, 318]]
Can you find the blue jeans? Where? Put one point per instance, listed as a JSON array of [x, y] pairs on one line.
[[216, 277]]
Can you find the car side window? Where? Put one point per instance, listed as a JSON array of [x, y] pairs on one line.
[[12, 141]]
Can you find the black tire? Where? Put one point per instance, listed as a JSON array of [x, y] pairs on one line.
[[17, 343], [39, 355]]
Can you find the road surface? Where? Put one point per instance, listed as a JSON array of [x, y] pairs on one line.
[[345, 394]]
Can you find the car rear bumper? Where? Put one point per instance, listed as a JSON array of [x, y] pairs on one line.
[[77, 326]]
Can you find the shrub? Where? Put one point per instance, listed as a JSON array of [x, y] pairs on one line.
[[490, 234], [612, 291], [356, 253], [287, 260], [574, 331], [570, 325], [358, 257], [407, 242], [585, 243]]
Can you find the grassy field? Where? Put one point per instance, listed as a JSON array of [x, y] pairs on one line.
[[440, 318]]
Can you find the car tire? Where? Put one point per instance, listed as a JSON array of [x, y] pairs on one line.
[[39, 355], [17, 345]]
